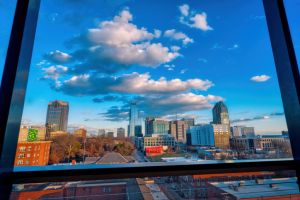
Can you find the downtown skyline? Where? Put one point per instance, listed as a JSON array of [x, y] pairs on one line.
[[203, 55]]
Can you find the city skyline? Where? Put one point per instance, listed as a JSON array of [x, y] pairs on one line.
[[170, 67]]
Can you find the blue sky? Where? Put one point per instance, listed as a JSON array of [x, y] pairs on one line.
[[172, 57]]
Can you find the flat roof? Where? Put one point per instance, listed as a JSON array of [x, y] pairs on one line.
[[251, 189]]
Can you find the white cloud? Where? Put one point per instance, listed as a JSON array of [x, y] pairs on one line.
[[134, 83], [119, 31], [184, 9], [116, 45], [260, 78], [54, 71], [142, 83], [166, 105], [173, 34], [58, 57], [194, 20]]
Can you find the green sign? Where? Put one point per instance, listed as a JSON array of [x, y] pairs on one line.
[[32, 135]]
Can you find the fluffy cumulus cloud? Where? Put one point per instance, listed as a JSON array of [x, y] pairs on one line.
[[260, 78], [166, 105], [133, 83], [115, 45], [58, 57], [192, 19], [173, 34]]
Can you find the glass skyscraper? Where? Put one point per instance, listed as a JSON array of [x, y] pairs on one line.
[[133, 120], [57, 117]]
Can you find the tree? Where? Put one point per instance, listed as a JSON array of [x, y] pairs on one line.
[[63, 148]]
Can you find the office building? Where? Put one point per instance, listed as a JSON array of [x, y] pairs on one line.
[[32, 153], [159, 140], [243, 144], [57, 117], [121, 132], [190, 121], [156, 126], [243, 131], [201, 135], [220, 114], [178, 129], [134, 127], [221, 135]]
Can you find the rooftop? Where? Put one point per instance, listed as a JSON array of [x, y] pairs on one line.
[[259, 188]]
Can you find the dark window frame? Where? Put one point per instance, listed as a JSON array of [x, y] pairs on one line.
[[12, 94]]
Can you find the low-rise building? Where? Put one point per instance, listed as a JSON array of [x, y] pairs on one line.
[[159, 140], [32, 153], [57, 134], [80, 133], [30, 133]]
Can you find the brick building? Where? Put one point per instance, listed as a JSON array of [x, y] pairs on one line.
[[32, 153]]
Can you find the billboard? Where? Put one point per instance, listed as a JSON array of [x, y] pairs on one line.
[[32, 135], [154, 150]]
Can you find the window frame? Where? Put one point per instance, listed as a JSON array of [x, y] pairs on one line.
[[13, 89]]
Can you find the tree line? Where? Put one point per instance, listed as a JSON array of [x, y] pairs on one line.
[[68, 147]]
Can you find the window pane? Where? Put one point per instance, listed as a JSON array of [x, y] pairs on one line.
[[250, 185], [292, 8], [123, 83], [7, 10]]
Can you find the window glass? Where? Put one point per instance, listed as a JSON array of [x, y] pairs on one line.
[[246, 185], [292, 8], [137, 82], [7, 10]]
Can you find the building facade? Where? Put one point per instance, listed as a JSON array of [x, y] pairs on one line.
[[178, 129], [134, 120], [221, 135], [32, 153], [220, 114], [243, 131], [121, 132], [156, 126], [57, 117], [159, 140], [26, 130], [80, 133], [201, 135]]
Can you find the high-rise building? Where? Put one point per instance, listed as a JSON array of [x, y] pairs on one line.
[[221, 135], [156, 126], [220, 113], [201, 135], [190, 121], [57, 117], [121, 132], [134, 120], [178, 129]]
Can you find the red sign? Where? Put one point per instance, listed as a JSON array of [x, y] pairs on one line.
[[154, 149]]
